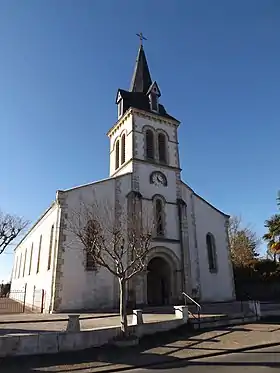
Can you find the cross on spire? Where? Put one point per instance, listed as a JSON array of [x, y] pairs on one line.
[[141, 37]]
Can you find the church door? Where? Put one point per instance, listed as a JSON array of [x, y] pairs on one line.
[[158, 282]]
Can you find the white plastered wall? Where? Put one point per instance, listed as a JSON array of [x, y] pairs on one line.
[[82, 289], [124, 126], [36, 282]]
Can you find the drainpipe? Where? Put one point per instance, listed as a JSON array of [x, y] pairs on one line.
[[180, 203]]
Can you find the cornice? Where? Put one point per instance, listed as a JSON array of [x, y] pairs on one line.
[[119, 123], [155, 117]]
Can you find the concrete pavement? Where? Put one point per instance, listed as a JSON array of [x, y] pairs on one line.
[[86, 322], [175, 348], [253, 361]]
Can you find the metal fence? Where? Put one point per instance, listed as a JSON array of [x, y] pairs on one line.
[[17, 301]]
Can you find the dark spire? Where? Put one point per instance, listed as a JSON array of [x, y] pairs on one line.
[[141, 79]]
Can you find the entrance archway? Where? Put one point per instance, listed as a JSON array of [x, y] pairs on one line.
[[158, 282]]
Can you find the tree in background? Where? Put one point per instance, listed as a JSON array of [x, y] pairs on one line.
[[117, 238], [272, 237], [11, 227], [243, 242]]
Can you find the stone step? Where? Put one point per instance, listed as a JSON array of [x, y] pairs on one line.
[[222, 320]]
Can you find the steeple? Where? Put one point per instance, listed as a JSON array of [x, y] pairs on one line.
[[144, 93], [141, 79]]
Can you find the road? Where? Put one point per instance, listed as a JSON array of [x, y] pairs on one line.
[[254, 361], [251, 361]]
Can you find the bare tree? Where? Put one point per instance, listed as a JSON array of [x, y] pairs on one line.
[[117, 238], [11, 227], [243, 242]]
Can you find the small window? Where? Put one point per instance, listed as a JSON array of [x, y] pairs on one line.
[[90, 237], [16, 267], [39, 254], [123, 149], [150, 151], [50, 248], [159, 217], [154, 102], [120, 108], [90, 263], [30, 260], [162, 147], [211, 251], [19, 267], [24, 263], [117, 155]]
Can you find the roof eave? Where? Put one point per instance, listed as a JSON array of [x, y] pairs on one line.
[[36, 222], [204, 200]]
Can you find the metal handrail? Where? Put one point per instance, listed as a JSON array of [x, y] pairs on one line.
[[191, 299], [198, 306]]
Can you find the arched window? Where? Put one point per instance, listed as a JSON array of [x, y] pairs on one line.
[[24, 263], [31, 257], [211, 251], [90, 237], [162, 147], [16, 267], [50, 248], [19, 268], [39, 254], [154, 101], [159, 217], [150, 150], [123, 149], [117, 155]]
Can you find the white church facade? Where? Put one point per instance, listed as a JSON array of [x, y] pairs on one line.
[[190, 249]]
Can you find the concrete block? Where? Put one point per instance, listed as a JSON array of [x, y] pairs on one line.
[[71, 341], [103, 336], [9, 345], [137, 317], [73, 324], [181, 312], [48, 343], [28, 344]]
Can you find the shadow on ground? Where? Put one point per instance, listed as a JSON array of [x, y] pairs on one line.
[[107, 357]]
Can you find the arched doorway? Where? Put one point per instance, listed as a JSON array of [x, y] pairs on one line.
[[158, 282]]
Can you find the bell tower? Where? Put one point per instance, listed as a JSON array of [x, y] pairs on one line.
[[144, 132]]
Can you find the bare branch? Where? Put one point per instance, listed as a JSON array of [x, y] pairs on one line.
[[243, 242], [117, 237], [11, 227]]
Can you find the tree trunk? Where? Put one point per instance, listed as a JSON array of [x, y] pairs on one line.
[[123, 313]]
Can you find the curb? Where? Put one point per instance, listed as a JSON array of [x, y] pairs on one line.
[[53, 320], [184, 360]]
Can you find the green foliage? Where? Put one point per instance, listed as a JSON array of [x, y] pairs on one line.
[[272, 237], [257, 270], [266, 266], [243, 243]]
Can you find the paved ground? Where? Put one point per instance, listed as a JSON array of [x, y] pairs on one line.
[[36, 322], [87, 322], [175, 348], [254, 361], [10, 306]]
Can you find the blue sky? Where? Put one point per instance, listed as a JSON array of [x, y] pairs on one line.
[[217, 65]]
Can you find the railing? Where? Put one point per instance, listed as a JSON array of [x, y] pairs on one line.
[[249, 299], [198, 307]]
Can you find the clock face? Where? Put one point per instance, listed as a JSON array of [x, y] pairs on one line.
[[158, 178]]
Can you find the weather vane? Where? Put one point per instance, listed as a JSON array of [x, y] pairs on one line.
[[141, 37]]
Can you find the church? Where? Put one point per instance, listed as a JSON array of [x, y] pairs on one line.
[[190, 248]]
